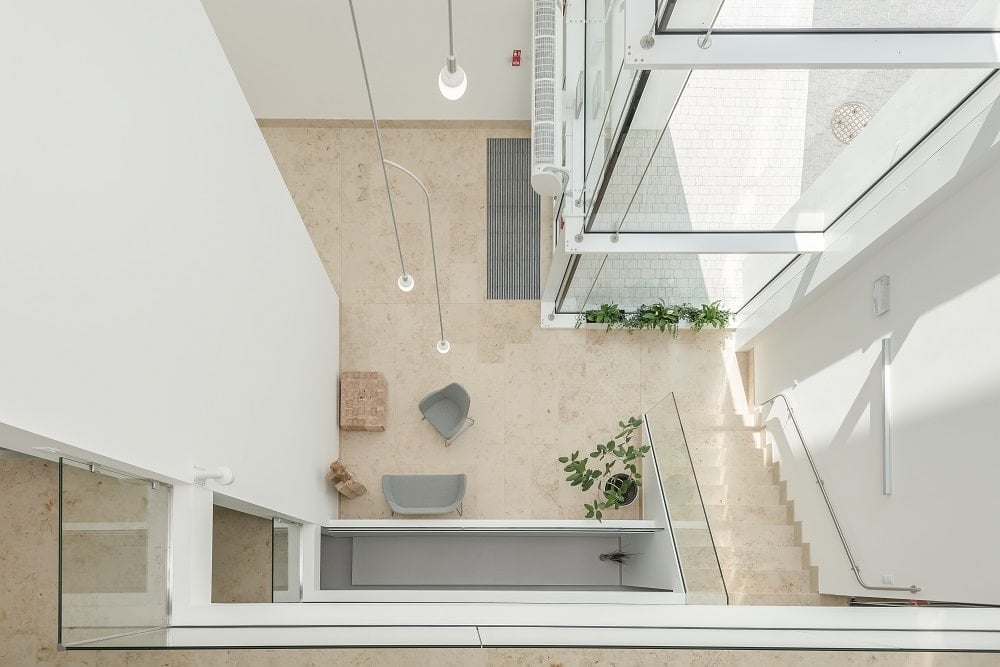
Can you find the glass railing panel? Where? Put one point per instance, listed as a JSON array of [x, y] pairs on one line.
[[286, 581], [834, 14], [696, 550], [768, 150], [113, 541], [607, 83]]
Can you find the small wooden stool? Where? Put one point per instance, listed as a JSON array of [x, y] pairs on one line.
[[362, 401]]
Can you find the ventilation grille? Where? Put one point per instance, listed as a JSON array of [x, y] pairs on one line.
[[513, 228], [543, 107]]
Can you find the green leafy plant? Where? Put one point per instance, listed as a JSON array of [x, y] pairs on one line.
[[616, 456], [609, 314], [659, 316], [712, 314]]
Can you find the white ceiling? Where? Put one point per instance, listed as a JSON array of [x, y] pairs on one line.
[[298, 58]]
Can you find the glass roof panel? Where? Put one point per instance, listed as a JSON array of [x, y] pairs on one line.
[[888, 15], [607, 83], [768, 150], [633, 280]]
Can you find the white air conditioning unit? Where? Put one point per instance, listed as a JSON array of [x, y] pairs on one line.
[[548, 177]]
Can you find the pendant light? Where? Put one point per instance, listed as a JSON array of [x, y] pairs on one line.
[[443, 345], [405, 281], [452, 80]]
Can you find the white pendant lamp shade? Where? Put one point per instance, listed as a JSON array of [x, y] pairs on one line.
[[452, 84], [443, 346], [405, 282], [452, 81]]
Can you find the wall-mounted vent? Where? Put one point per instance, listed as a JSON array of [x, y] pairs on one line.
[[546, 138]]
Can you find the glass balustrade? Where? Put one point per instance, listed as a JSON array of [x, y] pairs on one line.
[[696, 551], [286, 580], [113, 558], [608, 85]]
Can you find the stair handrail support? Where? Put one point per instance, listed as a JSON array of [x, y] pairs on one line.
[[912, 589]]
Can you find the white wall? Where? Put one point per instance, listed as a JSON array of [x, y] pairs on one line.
[[938, 529], [163, 305], [299, 58]]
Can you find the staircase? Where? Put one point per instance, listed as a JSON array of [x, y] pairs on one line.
[[760, 551]]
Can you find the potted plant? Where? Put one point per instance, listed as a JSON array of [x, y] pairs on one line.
[[612, 466], [658, 316], [709, 313], [609, 314], [617, 556]]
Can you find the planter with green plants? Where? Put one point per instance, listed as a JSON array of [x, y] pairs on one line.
[[612, 467], [658, 316]]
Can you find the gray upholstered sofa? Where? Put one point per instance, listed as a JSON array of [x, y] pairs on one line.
[[424, 494]]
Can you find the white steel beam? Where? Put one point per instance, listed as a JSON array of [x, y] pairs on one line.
[[696, 242], [776, 50]]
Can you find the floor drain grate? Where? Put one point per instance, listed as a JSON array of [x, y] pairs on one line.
[[849, 119]]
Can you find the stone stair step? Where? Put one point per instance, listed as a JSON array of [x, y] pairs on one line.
[[716, 436], [698, 557], [720, 515], [686, 512], [692, 538], [703, 580], [748, 475], [760, 558], [739, 495], [697, 419], [751, 535], [747, 455], [768, 581]]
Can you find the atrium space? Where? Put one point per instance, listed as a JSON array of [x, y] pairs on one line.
[[736, 257]]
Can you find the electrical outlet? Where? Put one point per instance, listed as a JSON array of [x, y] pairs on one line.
[[888, 579]]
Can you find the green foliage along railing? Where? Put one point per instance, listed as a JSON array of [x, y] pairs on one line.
[[658, 316]]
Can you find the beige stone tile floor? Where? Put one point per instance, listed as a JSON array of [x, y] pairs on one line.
[[536, 394], [28, 589]]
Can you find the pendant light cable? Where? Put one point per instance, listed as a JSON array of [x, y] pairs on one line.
[[443, 345], [405, 279]]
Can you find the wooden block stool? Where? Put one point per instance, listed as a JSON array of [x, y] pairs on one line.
[[362, 401]]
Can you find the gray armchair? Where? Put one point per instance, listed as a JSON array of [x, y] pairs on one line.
[[424, 494], [448, 411]]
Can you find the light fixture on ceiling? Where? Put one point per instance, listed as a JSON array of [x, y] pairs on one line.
[[405, 281], [443, 345], [452, 80]]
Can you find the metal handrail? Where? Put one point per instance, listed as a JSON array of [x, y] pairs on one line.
[[833, 515]]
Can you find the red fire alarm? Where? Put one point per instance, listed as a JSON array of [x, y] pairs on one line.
[[515, 59]]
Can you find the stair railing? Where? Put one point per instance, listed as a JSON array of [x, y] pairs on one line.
[[829, 506]]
